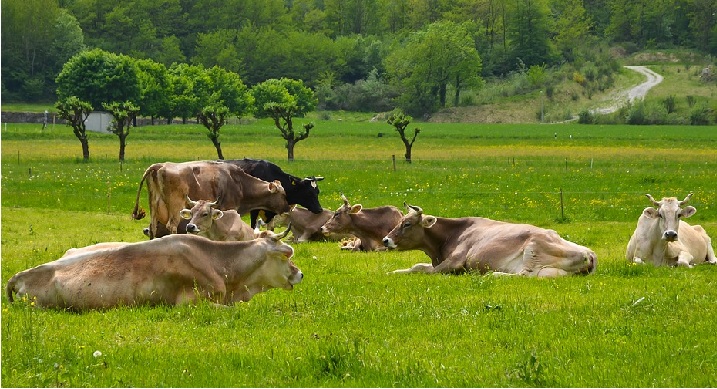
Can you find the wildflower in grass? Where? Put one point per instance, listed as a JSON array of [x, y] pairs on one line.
[[97, 354]]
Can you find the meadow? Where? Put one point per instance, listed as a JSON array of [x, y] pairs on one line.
[[349, 323]]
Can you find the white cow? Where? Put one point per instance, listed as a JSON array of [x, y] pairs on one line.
[[661, 238], [207, 221]]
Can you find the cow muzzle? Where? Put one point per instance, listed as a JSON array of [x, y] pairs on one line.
[[669, 235], [388, 242], [192, 228]]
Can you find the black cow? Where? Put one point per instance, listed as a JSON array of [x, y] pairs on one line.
[[302, 191]]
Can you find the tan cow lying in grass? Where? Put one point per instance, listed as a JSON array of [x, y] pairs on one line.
[[457, 245], [172, 270], [663, 238]]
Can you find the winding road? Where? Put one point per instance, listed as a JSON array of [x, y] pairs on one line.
[[638, 92]]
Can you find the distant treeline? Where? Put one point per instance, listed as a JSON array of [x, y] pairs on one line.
[[335, 42]]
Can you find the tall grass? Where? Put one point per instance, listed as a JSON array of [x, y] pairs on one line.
[[349, 323]]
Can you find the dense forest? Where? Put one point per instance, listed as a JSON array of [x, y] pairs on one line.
[[372, 49]]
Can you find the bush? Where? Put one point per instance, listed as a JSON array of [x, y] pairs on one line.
[[670, 103], [586, 117], [700, 114]]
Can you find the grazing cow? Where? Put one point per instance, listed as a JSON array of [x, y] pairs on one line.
[[169, 183], [306, 225], [302, 191], [172, 270], [661, 238], [457, 245], [207, 221], [368, 225]]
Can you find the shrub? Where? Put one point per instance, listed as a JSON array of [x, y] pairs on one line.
[[670, 103], [700, 114], [586, 117]]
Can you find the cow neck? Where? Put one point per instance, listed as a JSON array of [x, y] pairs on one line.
[[437, 237]]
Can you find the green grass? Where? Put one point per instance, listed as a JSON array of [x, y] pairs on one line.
[[349, 323]]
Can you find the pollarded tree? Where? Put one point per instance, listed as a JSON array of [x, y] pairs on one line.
[[282, 100], [155, 88], [75, 112], [229, 96], [123, 114], [400, 122]]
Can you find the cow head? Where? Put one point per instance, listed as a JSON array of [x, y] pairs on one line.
[[278, 270], [341, 220], [668, 212], [305, 192], [201, 215], [408, 234]]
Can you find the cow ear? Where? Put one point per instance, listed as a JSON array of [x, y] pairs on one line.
[[687, 212], [356, 208], [275, 186], [185, 214], [217, 214], [650, 212], [427, 221]]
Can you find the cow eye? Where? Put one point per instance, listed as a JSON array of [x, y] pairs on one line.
[[406, 224]]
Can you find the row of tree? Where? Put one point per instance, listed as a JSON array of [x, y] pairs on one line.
[[420, 48], [126, 87]]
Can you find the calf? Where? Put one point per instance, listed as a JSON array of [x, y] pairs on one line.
[[368, 225], [172, 270], [457, 245], [207, 221], [662, 238]]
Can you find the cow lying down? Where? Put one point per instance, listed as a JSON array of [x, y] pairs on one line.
[[173, 270], [663, 238], [484, 245]]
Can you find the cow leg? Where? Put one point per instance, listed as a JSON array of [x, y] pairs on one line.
[[417, 268], [684, 259], [550, 272]]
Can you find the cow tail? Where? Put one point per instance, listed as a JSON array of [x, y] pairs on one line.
[[10, 289], [138, 213]]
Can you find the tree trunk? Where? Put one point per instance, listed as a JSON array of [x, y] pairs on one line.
[[442, 94], [85, 149], [123, 143], [290, 143], [408, 152], [218, 146]]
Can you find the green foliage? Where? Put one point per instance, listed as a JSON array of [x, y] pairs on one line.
[[98, 77]]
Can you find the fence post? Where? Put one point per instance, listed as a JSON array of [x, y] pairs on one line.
[[393, 158], [562, 207]]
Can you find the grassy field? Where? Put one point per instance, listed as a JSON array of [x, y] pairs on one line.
[[349, 324]]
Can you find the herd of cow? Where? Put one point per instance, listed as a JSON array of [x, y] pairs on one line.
[[206, 251]]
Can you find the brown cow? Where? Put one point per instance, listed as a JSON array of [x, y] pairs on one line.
[[368, 225], [480, 244], [172, 270], [207, 221], [662, 238], [169, 183], [306, 225]]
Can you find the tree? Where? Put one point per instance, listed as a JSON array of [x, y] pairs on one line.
[[229, 96], [282, 100], [155, 89], [75, 112], [123, 114], [98, 77], [529, 33], [432, 59], [191, 89], [400, 121]]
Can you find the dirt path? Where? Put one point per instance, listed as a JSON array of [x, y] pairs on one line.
[[637, 92]]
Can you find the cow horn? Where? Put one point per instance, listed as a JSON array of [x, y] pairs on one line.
[[345, 200], [655, 202], [314, 178], [683, 202], [286, 232], [189, 201], [415, 208], [213, 204]]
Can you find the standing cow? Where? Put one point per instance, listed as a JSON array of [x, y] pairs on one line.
[[169, 183], [172, 270], [369, 225], [302, 191], [480, 244], [208, 221], [662, 238]]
